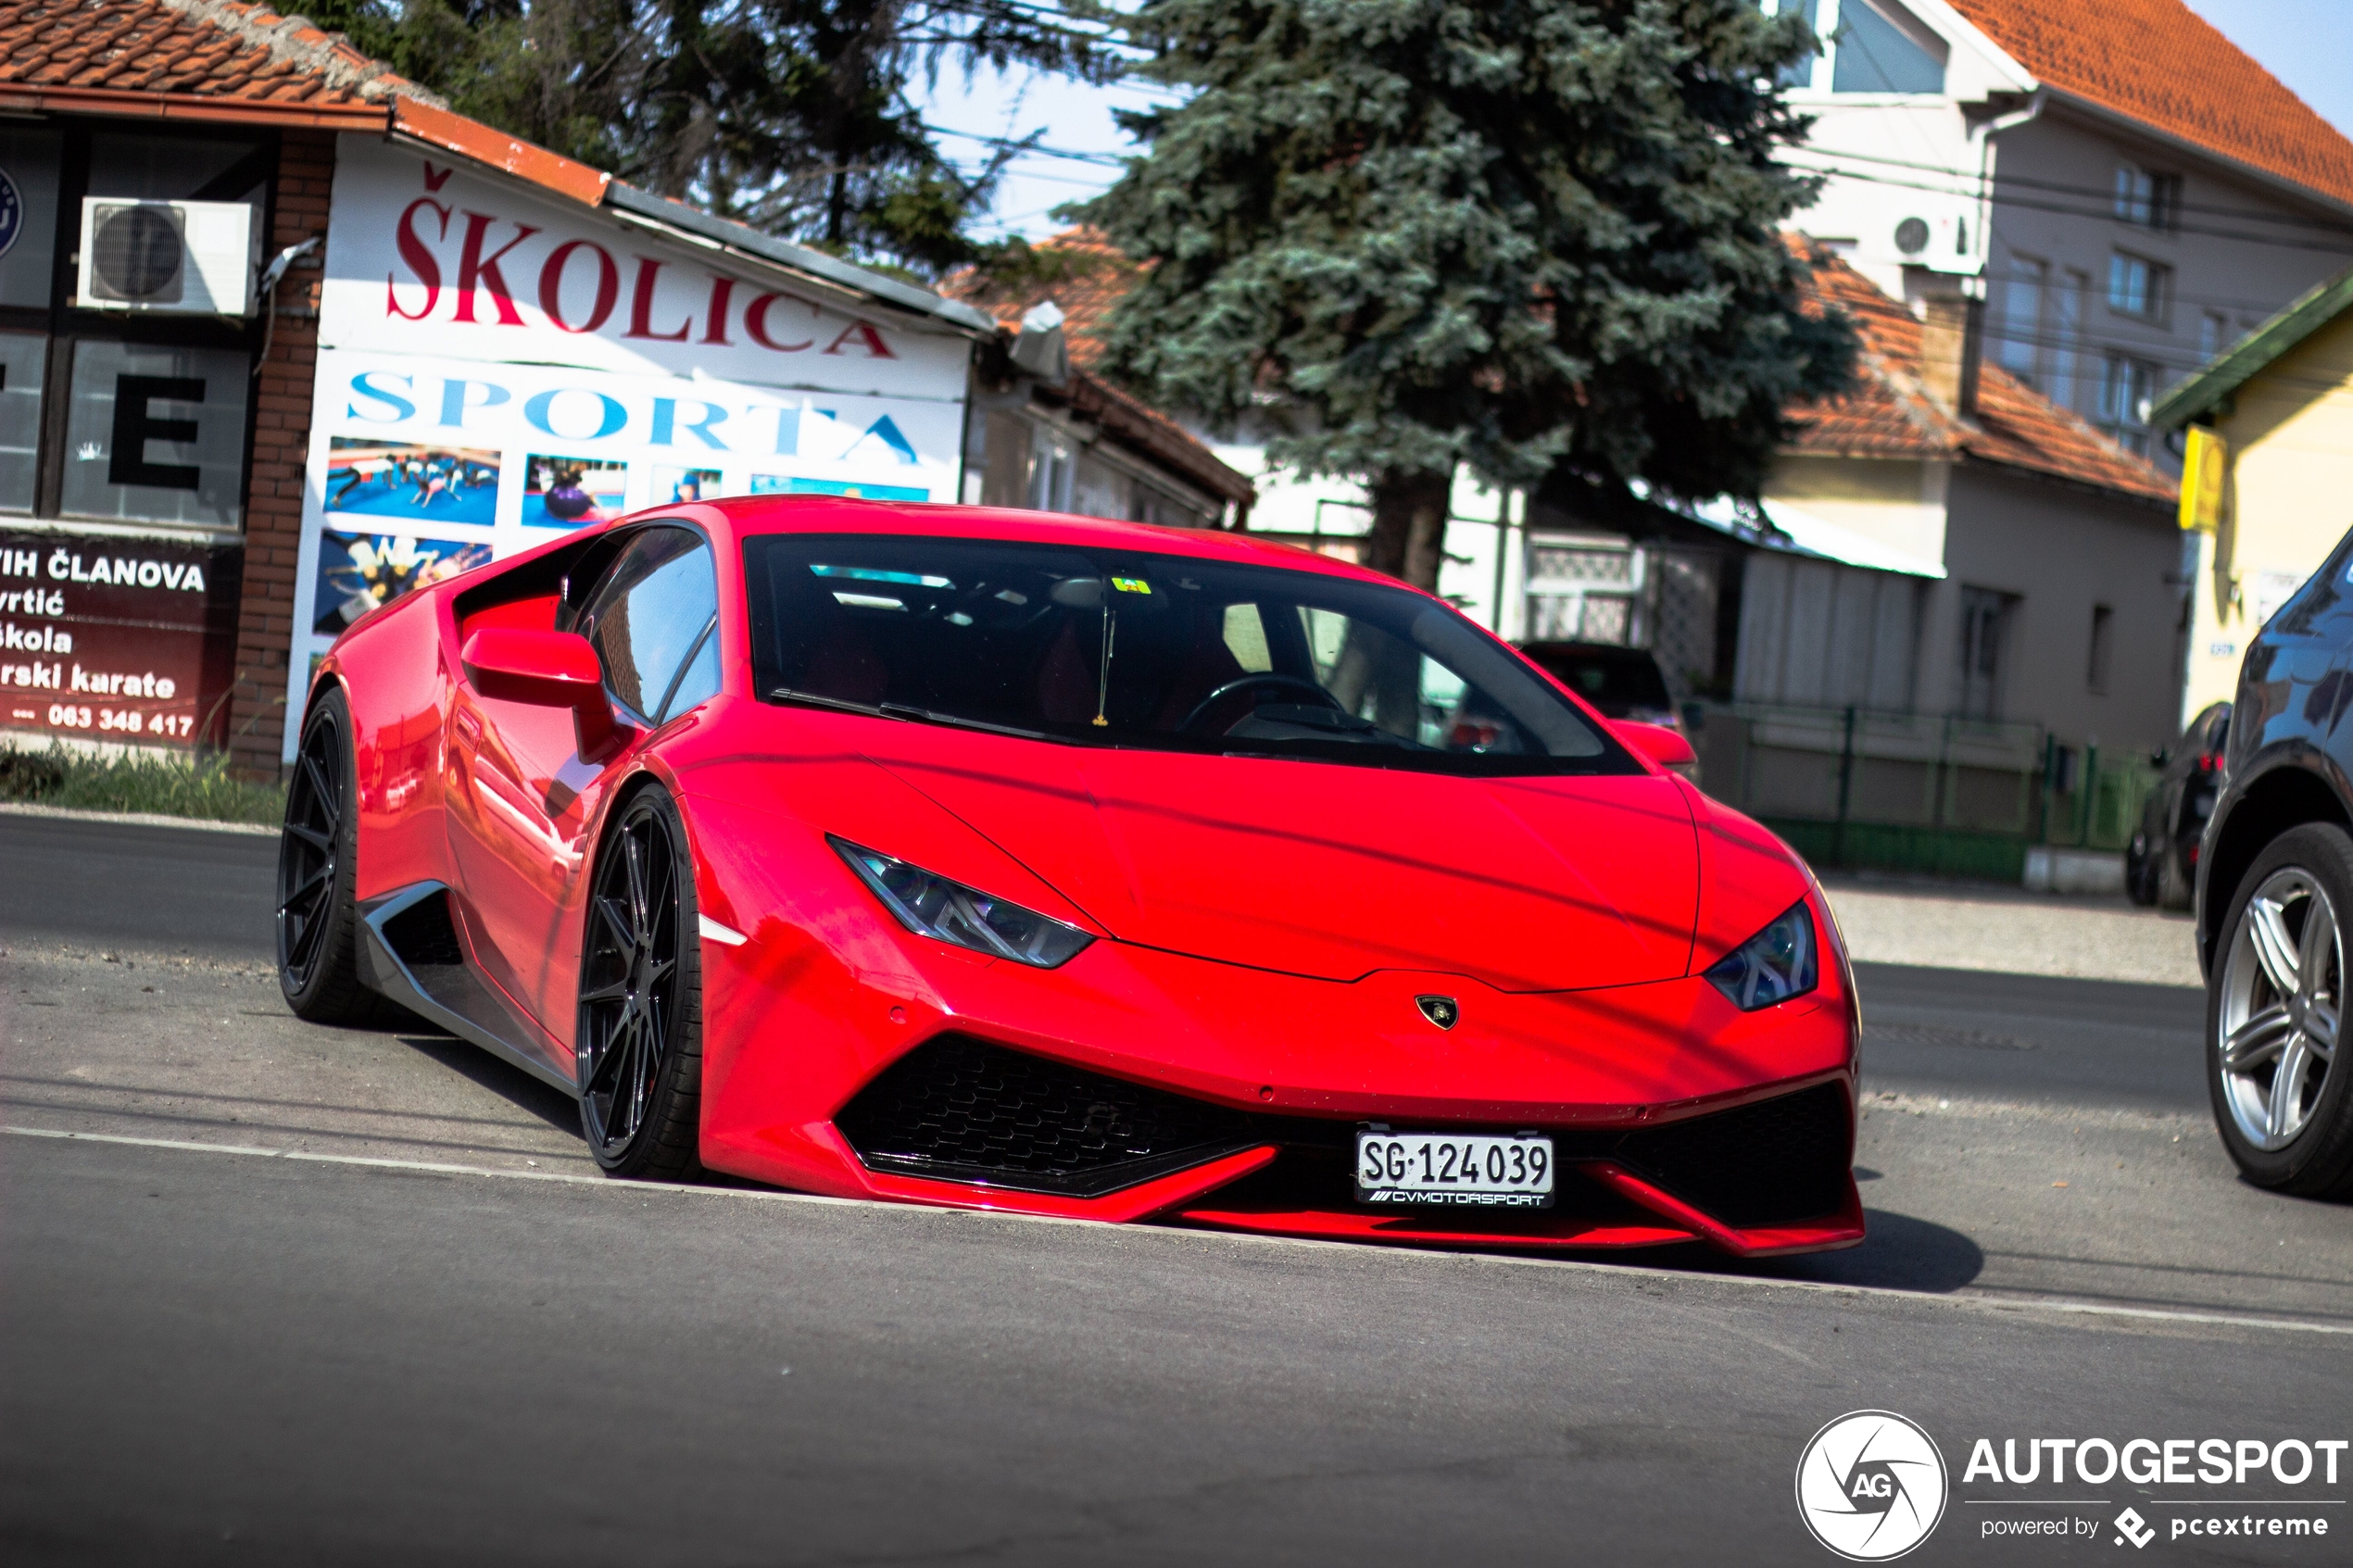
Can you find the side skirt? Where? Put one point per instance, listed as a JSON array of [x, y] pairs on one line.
[[435, 982]]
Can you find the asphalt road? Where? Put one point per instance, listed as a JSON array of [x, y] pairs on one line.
[[296, 1295]]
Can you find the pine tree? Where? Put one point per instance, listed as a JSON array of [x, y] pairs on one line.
[[792, 116], [1537, 238]]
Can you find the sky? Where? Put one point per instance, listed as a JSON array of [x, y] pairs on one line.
[[2307, 43]]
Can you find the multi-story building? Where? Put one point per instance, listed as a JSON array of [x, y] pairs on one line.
[[2125, 191]]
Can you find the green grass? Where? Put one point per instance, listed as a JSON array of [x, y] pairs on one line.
[[196, 788]]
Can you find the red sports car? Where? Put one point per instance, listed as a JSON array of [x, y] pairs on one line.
[[1028, 862]]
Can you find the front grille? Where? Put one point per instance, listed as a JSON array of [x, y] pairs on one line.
[[963, 1109], [958, 1109], [1775, 1163]]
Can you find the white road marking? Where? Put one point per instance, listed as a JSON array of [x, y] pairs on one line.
[[770, 1195]]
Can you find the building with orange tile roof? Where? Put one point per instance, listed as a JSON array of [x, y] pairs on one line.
[[2041, 553], [281, 336], [2124, 191]]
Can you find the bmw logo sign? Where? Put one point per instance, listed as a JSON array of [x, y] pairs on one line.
[[11, 213]]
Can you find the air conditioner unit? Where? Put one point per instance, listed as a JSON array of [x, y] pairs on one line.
[[181, 259]]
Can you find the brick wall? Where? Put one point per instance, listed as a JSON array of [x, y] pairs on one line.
[[281, 448]]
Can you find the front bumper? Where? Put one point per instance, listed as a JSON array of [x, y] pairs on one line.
[[825, 998]]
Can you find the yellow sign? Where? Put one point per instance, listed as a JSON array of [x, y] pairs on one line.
[[2202, 462]]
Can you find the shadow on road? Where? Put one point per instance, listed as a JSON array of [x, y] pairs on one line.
[[1898, 1253], [511, 1084]]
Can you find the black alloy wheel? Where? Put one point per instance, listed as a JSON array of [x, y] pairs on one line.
[[640, 1026], [318, 863]]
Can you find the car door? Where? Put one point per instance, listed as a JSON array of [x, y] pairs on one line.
[[521, 840]]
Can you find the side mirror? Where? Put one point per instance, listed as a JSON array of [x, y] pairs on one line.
[[1658, 743], [547, 670]]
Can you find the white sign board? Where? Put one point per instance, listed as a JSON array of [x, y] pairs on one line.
[[495, 371]]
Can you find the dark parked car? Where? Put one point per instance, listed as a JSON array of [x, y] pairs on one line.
[[2274, 895], [1622, 683], [2161, 864]]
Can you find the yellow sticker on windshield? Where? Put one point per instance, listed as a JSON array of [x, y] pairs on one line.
[[1131, 584]]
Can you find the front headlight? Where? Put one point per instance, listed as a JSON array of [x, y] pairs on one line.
[[932, 906], [1779, 962]]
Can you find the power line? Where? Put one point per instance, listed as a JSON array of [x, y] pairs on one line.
[[2061, 187], [2344, 248]]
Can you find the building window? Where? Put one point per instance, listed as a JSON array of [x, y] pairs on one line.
[[156, 434], [125, 413], [2021, 321], [21, 357], [1984, 620], [2213, 334], [1881, 47], [1800, 75], [2103, 637], [2067, 333], [2136, 286], [2146, 200], [2128, 388]]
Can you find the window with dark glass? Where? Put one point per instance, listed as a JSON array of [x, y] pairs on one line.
[[1135, 650], [126, 394]]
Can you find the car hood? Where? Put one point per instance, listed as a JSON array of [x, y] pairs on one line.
[[1335, 871]]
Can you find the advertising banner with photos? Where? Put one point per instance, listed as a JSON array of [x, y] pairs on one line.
[[495, 369]]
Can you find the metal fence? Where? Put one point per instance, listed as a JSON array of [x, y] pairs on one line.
[[1855, 787]]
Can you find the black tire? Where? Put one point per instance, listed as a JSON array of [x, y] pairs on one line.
[[2299, 1141], [640, 1020], [317, 874]]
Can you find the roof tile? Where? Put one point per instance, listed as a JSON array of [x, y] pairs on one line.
[[203, 48], [1889, 414]]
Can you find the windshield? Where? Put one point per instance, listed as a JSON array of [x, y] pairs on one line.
[[1114, 648]]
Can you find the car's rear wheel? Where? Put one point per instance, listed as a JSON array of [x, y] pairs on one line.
[[2273, 1015], [640, 1020], [318, 869]]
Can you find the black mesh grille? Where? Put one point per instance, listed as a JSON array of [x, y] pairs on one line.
[[1775, 1163], [422, 934], [963, 1109]]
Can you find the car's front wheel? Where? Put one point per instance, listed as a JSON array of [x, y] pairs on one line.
[[2273, 1017], [318, 871], [640, 1020]]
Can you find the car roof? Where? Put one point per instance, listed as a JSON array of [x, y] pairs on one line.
[[754, 515]]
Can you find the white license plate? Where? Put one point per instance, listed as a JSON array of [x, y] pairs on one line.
[[1450, 1169]]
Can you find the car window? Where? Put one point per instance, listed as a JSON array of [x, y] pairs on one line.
[[1120, 649], [698, 682], [657, 603]]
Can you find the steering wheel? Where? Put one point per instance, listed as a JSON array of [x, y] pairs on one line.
[[1264, 678]]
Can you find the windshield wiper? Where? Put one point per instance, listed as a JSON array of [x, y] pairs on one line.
[[902, 711]]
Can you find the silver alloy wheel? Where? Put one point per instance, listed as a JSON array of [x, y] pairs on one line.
[[2282, 992]]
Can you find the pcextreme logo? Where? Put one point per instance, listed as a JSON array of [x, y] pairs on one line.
[[1870, 1486]]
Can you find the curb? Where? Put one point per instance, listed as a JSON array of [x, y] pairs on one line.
[[133, 819]]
